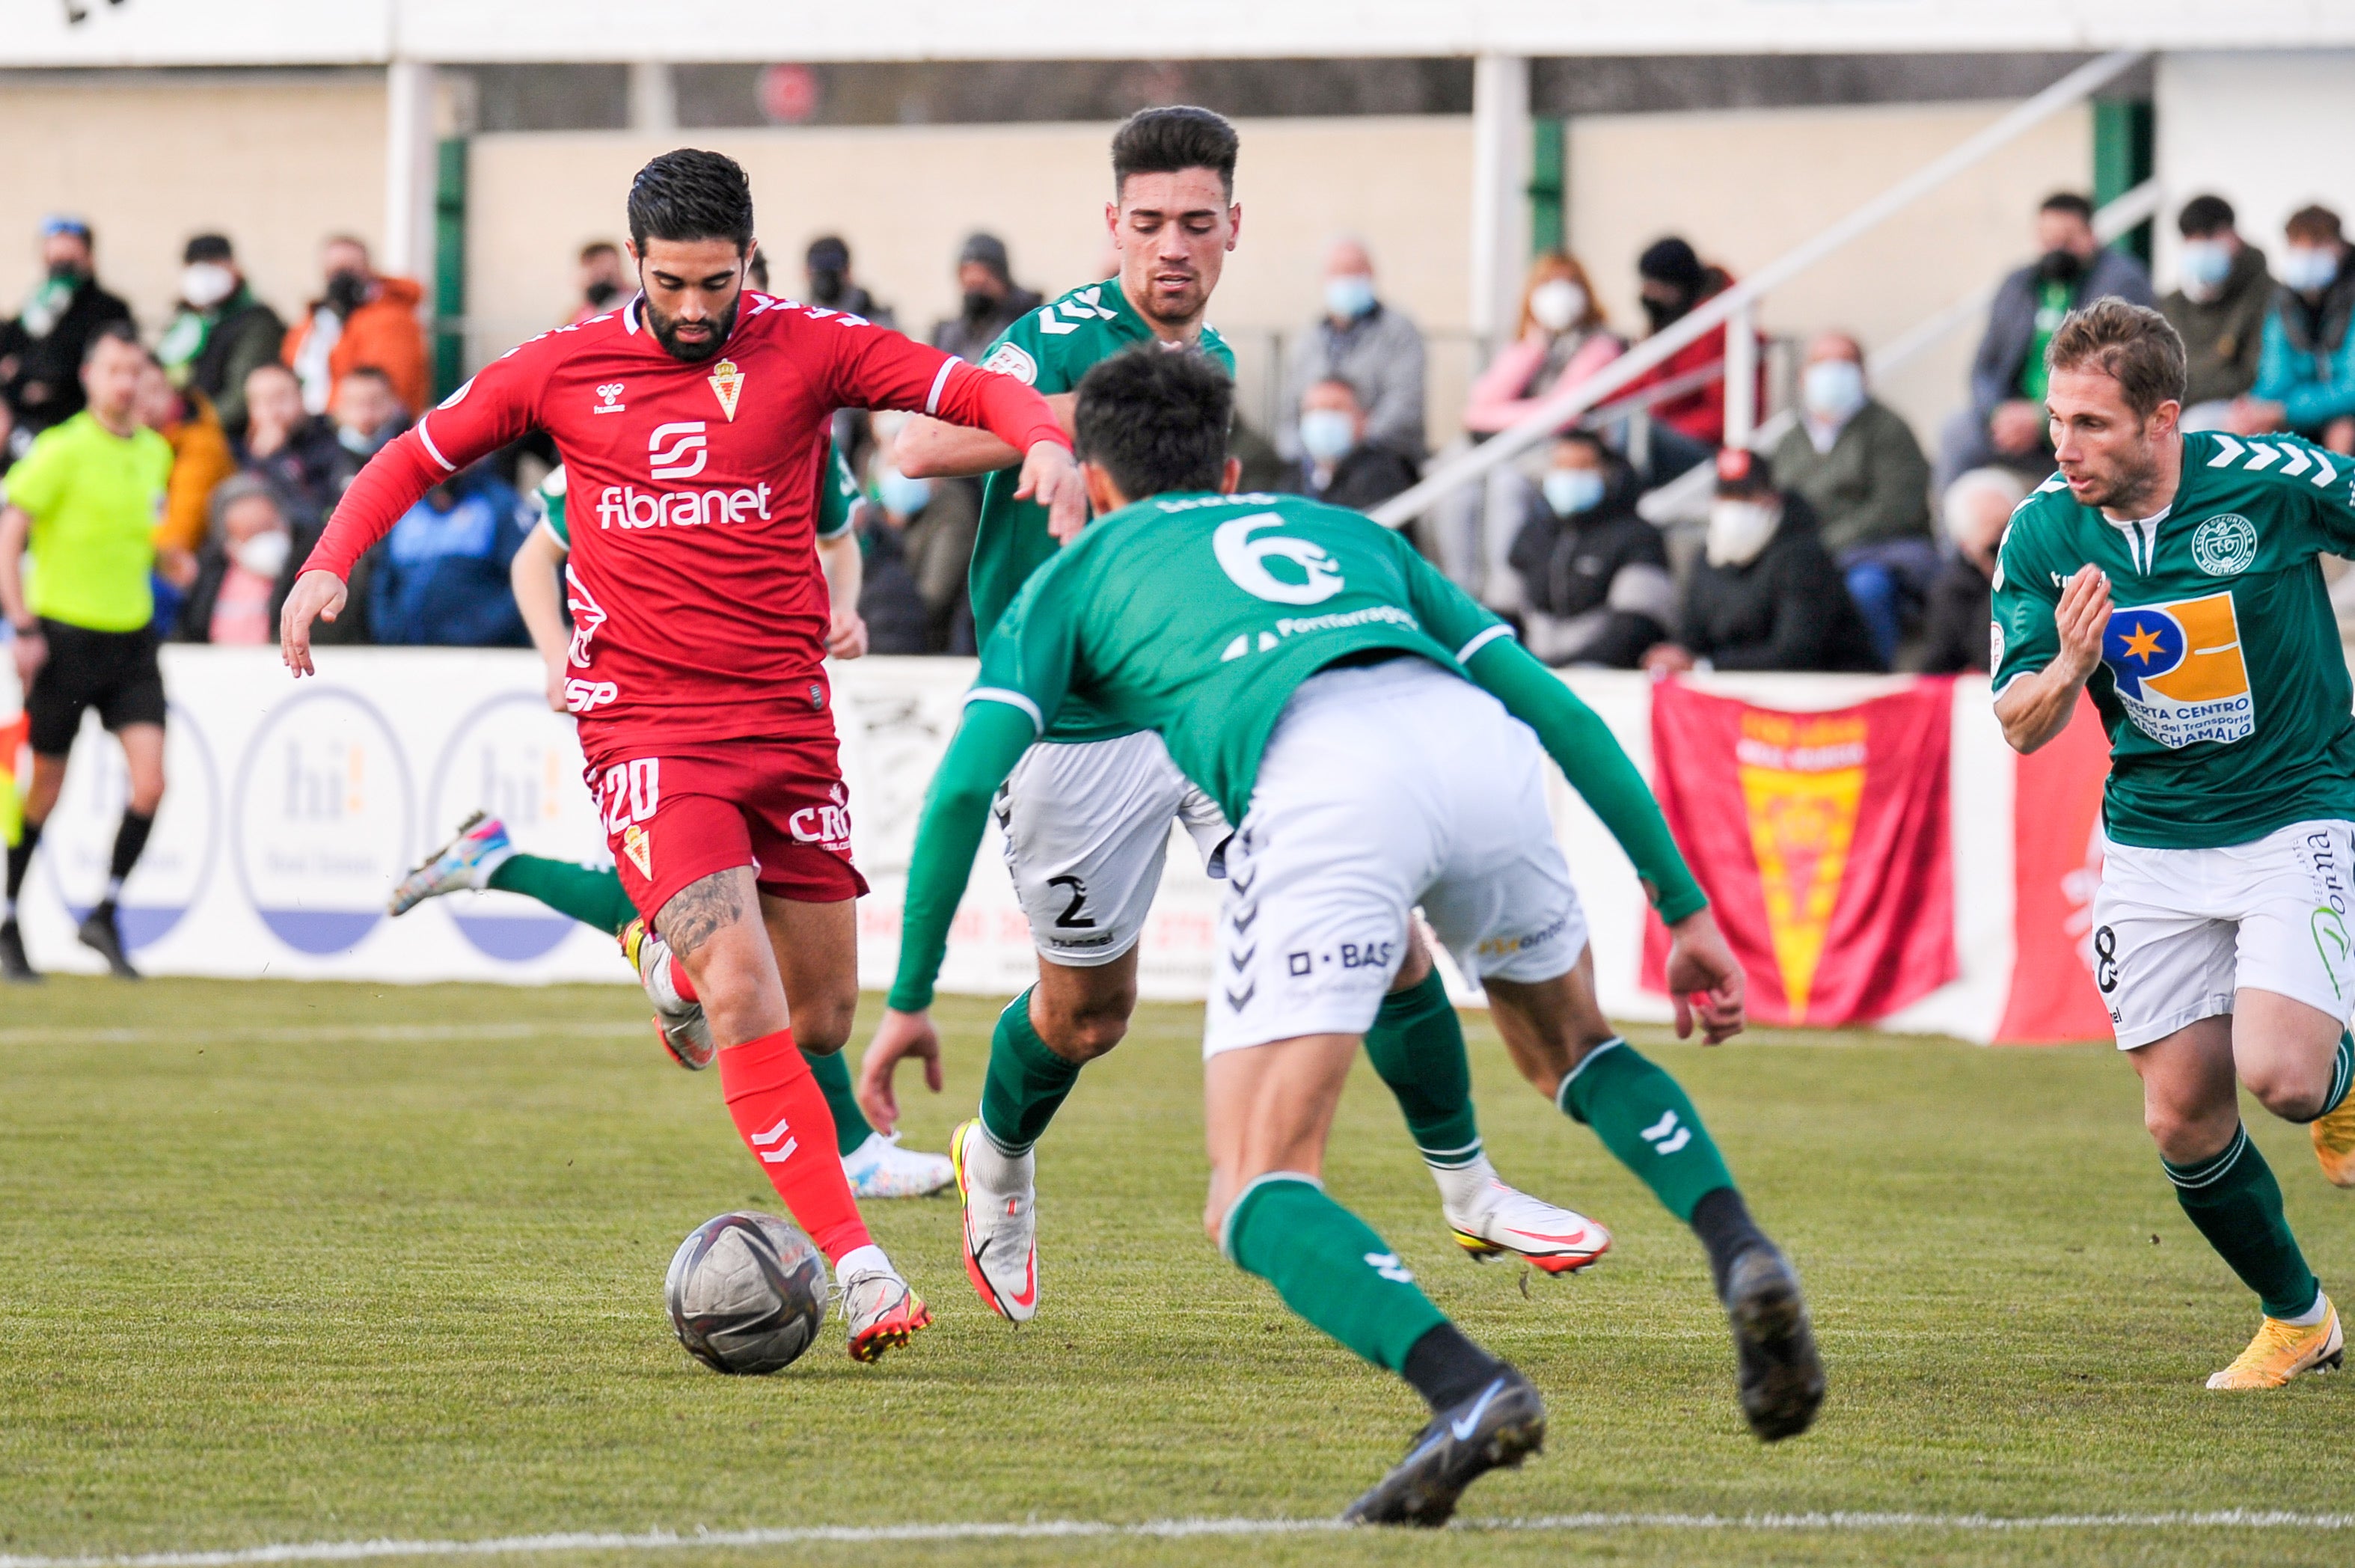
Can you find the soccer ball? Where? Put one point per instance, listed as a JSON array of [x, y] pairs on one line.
[[747, 1293]]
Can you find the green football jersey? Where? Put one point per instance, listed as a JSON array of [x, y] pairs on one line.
[[837, 493], [1197, 615], [2222, 682], [1050, 349]]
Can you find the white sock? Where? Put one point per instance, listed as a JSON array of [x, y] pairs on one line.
[[868, 1259], [2312, 1315], [993, 1168], [1460, 1185], [860, 1152]]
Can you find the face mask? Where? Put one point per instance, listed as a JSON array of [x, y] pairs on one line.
[[1348, 296], [825, 285], [901, 497], [205, 284], [2060, 267], [978, 306], [2309, 269], [1660, 313], [1570, 490], [2206, 264], [1557, 305], [1328, 434], [1832, 388], [264, 554], [1738, 530], [68, 273], [602, 293], [347, 292]]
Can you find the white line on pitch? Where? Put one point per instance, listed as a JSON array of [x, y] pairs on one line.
[[1168, 1528], [297, 1034]]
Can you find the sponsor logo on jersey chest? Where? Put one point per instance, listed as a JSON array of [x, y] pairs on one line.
[[2224, 545], [2178, 670]]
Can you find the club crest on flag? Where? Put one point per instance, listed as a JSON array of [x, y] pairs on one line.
[[639, 846], [1802, 780], [727, 385]]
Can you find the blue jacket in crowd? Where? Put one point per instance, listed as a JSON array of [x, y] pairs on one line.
[[2307, 365], [441, 576]]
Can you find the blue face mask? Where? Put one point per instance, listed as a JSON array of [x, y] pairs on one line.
[[1569, 491], [1832, 388], [901, 497], [1328, 434], [2206, 264], [2309, 269], [1349, 295]]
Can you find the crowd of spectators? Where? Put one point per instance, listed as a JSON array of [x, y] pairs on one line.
[[1842, 547]]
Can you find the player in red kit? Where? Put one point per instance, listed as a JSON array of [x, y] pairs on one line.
[[692, 424]]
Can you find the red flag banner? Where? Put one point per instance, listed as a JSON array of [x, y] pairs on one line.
[[2056, 864], [1823, 841]]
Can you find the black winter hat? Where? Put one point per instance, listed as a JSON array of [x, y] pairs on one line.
[[1671, 260]]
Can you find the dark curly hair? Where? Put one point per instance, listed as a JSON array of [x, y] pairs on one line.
[[691, 195], [1156, 421]]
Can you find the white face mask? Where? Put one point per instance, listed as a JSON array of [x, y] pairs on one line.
[[1328, 434], [1832, 388], [1557, 305], [205, 284], [1738, 530], [2309, 269], [264, 554]]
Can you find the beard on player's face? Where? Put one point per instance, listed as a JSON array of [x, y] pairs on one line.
[[705, 335]]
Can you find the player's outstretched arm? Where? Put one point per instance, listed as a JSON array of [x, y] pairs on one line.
[[2035, 707], [934, 449], [532, 576], [989, 741]]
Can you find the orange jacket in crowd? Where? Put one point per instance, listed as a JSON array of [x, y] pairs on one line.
[[385, 332], [200, 460]]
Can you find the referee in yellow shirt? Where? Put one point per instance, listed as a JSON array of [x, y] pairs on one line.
[[86, 498]]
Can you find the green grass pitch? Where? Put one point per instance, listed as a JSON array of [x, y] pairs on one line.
[[298, 1263]]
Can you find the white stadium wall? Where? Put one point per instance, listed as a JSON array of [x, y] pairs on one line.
[[2269, 132], [294, 808]]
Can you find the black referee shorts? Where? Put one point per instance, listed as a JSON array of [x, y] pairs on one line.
[[114, 672]]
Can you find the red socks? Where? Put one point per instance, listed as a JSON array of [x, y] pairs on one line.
[[782, 1115]]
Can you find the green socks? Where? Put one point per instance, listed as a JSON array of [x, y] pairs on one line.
[[590, 894], [851, 1127], [2342, 1075], [1643, 1117], [1329, 1267], [1417, 1045], [2234, 1201], [1027, 1082]]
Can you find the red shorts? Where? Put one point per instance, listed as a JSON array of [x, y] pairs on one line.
[[677, 816]]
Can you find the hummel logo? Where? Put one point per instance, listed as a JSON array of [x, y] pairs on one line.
[[605, 395], [1467, 1424], [1240, 1002], [1665, 1136], [1242, 918], [760, 1142], [1241, 961], [1388, 1265]]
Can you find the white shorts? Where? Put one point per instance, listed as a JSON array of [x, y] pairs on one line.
[[1087, 828], [2177, 932], [1384, 787]]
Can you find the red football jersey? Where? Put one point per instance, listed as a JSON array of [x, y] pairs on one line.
[[699, 611]]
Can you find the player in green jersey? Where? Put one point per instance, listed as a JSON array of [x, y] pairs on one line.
[[1087, 815], [2173, 577], [1354, 713], [479, 855]]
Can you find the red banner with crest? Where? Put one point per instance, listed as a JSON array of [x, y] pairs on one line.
[[1824, 841]]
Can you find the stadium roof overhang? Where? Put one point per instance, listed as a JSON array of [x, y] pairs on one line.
[[41, 32]]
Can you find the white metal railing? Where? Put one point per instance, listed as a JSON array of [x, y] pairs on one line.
[[1741, 300], [1680, 497]]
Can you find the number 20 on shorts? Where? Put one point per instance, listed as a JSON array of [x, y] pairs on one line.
[[630, 792]]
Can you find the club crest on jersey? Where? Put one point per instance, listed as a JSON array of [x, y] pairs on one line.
[[727, 385], [2179, 672], [639, 846], [2224, 545]]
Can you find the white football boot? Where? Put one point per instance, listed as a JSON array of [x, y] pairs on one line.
[[1491, 1219], [465, 864], [878, 1307], [686, 1032], [879, 1168], [1001, 1225]]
